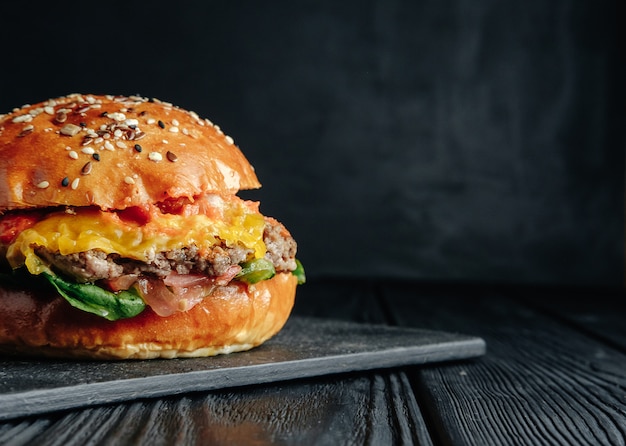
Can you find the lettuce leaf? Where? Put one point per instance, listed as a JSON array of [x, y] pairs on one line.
[[262, 269], [93, 299], [256, 270], [299, 273]]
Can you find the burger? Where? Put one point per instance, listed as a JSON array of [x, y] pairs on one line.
[[122, 235]]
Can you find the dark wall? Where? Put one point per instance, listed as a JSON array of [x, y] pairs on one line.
[[440, 140]]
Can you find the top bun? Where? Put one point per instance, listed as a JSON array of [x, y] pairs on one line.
[[113, 152]]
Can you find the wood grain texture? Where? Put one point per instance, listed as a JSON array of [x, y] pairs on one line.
[[599, 313], [541, 382], [359, 409]]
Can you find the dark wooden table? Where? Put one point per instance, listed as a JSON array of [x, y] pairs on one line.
[[554, 374]]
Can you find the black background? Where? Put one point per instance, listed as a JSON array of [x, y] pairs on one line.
[[458, 140]]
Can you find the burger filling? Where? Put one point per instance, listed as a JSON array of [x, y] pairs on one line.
[[169, 255]]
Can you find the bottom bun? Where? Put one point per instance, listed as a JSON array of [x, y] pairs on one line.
[[237, 317]]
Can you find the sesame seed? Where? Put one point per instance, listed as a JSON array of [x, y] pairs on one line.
[[96, 156], [43, 185], [73, 154], [118, 133], [161, 124], [49, 110], [229, 140], [155, 156], [60, 117], [109, 146], [36, 111], [65, 182], [74, 185], [165, 141], [171, 156], [70, 130], [129, 180], [117, 116], [138, 148], [26, 130], [173, 129], [121, 144], [86, 170], [175, 122], [23, 118], [88, 150], [151, 121]]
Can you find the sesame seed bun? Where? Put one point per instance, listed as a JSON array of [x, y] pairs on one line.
[[113, 152]]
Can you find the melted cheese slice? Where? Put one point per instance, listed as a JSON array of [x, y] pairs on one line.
[[86, 229]]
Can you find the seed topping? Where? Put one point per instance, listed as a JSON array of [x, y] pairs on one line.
[[155, 156], [26, 130], [60, 117], [23, 118], [86, 170], [116, 129], [70, 130]]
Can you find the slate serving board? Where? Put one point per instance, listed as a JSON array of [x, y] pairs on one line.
[[306, 347]]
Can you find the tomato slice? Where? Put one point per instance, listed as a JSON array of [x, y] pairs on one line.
[[136, 214], [15, 222]]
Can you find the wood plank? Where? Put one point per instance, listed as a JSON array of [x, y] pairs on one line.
[[364, 409], [599, 313], [541, 382]]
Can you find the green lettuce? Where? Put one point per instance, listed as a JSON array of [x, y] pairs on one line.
[[93, 299]]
